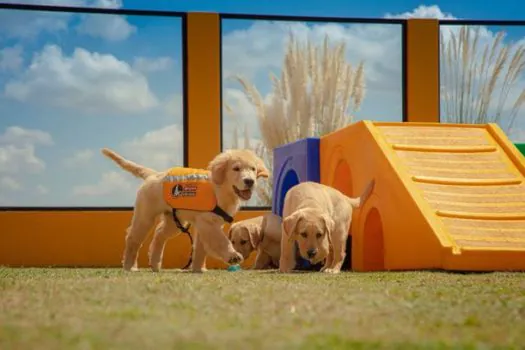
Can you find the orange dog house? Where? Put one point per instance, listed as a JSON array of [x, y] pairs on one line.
[[447, 196]]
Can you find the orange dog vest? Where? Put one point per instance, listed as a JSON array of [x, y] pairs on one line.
[[191, 189]]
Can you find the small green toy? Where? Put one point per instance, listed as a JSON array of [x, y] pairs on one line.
[[233, 268]]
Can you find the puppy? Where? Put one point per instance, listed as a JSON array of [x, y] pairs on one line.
[[318, 218], [261, 234], [233, 176]]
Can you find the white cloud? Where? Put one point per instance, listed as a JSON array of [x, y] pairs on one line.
[[158, 149], [11, 58], [111, 183], [85, 81], [42, 190], [17, 150], [80, 158], [18, 136], [9, 184], [28, 24], [173, 106], [423, 11], [20, 159], [109, 27], [145, 64]]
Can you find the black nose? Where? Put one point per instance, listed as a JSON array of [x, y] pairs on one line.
[[248, 182], [311, 252]]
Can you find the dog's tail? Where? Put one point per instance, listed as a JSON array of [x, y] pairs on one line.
[[134, 168], [358, 202]]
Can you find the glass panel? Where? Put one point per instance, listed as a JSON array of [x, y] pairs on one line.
[[279, 76], [482, 76], [74, 83]]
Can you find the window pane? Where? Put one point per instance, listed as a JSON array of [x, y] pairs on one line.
[[360, 78], [74, 83], [482, 74]]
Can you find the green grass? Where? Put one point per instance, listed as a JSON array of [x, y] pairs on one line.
[[109, 309]]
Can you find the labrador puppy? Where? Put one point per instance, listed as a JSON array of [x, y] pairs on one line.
[[261, 234], [233, 175], [318, 218]]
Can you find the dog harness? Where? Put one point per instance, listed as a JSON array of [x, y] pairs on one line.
[[190, 189]]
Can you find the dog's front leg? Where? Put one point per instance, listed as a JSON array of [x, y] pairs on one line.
[[215, 242], [329, 260], [198, 260], [287, 261], [262, 261], [338, 255]]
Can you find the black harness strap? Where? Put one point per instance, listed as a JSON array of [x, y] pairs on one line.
[[186, 230], [217, 210]]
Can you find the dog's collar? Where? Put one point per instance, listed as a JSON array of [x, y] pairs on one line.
[[219, 211]]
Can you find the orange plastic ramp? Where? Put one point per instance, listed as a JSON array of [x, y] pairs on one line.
[[447, 196]]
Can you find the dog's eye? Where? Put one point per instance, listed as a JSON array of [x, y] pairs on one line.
[[236, 168], [304, 234], [319, 235], [243, 241], [253, 168]]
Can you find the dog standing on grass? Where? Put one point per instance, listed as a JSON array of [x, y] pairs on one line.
[[262, 234], [318, 218], [233, 175]]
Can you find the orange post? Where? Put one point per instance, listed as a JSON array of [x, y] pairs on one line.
[[422, 86], [203, 88]]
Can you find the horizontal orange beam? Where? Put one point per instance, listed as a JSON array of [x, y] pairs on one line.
[[83, 239]]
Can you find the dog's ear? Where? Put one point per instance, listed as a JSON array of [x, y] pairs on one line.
[[253, 234], [262, 170], [229, 233], [218, 166], [290, 222], [329, 226], [328, 222]]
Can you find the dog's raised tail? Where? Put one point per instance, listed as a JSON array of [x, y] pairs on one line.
[[358, 202], [131, 167]]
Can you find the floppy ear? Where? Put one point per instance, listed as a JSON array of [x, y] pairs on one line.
[[253, 235], [217, 167], [291, 222], [329, 226], [229, 233], [262, 170], [328, 222]]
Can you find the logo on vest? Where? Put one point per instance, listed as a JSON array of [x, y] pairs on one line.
[[185, 190]]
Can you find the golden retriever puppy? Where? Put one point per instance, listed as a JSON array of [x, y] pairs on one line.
[[230, 177], [261, 234], [318, 218]]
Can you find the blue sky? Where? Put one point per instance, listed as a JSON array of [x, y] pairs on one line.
[[71, 84]]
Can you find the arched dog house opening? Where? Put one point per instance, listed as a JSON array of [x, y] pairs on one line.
[[343, 182], [290, 179], [373, 242]]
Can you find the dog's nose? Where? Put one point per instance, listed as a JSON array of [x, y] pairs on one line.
[[248, 182], [311, 253]]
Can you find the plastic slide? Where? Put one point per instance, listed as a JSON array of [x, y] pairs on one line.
[[447, 196]]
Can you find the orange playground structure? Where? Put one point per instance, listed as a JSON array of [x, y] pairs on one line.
[[447, 196]]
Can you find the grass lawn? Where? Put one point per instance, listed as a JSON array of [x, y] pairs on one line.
[[109, 309]]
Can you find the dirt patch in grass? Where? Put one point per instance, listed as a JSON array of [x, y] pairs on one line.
[[109, 309]]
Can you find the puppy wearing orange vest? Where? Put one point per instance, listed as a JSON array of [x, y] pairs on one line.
[[206, 198]]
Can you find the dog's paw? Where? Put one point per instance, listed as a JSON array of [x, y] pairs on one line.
[[235, 259], [331, 271]]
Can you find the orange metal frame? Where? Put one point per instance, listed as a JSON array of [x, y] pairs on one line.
[[96, 238]]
